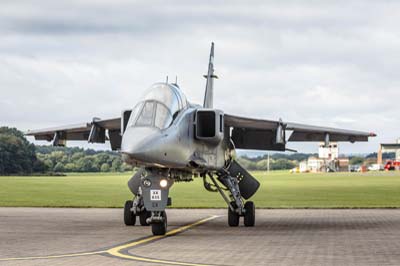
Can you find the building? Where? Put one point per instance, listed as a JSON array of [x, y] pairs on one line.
[[328, 160], [330, 153], [315, 165], [388, 147]]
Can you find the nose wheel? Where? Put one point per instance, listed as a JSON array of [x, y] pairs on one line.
[[129, 215], [131, 212], [160, 227]]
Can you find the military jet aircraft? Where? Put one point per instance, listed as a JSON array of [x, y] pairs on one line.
[[172, 140]]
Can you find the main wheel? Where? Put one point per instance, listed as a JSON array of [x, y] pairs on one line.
[[233, 217], [143, 217], [160, 228], [129, 216], [250, 214]]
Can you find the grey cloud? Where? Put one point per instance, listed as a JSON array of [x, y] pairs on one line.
[[329, 63]]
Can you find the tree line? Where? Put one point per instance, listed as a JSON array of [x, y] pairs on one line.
[[19, 156], [64, 159], [277, 161]]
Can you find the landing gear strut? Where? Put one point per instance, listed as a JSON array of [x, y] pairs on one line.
[[143, 216], [236, 206]]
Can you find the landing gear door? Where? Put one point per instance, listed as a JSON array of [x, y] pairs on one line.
[[155, 194]]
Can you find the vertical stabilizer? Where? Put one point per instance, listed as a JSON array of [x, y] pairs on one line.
[[209, 95]]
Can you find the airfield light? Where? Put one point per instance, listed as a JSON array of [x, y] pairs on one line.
[[163, 183]]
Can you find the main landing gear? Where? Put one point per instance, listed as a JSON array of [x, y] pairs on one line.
[[236, 207], [249, 214], [241, 186]]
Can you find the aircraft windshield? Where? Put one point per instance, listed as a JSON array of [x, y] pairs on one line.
[[158, 106]]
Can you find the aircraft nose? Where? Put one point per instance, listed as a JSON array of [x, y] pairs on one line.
[[139, 142]]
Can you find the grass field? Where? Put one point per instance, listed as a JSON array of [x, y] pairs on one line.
[[278, 190]]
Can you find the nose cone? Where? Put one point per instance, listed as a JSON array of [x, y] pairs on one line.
[[140, 143]]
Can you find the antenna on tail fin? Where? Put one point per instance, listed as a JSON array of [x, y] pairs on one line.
[[209, 95]]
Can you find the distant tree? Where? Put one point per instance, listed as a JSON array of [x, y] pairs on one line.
[[70, 167], [77, 156], [356, 160], [246, 163], [105, 167], [262, 164], [17, 155], [126, 167], [59, 167], [49, 164], [56, 156], [102, 158], [116, 165], [282, 164], [86, 164], [385, 155], [39, 166]]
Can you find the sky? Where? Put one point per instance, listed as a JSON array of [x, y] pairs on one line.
[[328, 63]]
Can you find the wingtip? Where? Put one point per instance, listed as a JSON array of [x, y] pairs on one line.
[[372, 134]]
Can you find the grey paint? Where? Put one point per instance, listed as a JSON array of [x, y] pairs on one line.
[[171, 139]]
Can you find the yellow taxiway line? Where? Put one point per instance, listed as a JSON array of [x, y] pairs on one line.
[[117, 251], [55, 256]]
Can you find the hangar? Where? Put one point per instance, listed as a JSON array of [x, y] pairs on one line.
[[389, 147]]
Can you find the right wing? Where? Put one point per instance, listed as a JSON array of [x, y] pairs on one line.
[[261, 134], [93, 132]]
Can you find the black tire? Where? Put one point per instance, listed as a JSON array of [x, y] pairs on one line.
[[143, 217], [233, 217], [129, 216], [250, 214], [159, 229]]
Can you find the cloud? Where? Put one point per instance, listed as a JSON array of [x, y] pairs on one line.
[[327, 63]]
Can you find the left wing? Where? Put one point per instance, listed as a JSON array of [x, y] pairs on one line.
[[93, 132], [260, 134]]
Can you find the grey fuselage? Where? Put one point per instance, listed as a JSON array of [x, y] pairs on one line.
[[176, 146]]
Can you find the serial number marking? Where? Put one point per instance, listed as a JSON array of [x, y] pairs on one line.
[[155, 195]]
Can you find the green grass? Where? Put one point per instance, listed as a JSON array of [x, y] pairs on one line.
[[278, 190]]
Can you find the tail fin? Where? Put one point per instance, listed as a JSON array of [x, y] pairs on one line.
[[209, 95]]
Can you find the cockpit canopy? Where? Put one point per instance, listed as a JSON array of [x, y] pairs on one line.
[[158, 107]]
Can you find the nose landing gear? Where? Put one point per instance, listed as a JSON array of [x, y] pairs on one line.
[[132, 210], [143, 216], [129, 215], [159, 223], [151, 188]]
